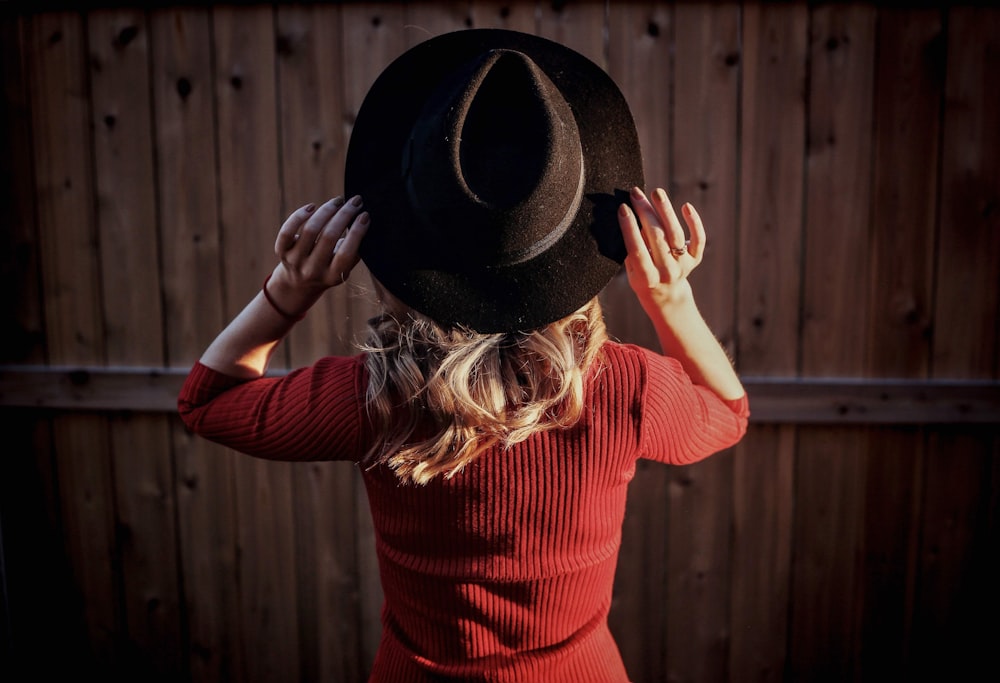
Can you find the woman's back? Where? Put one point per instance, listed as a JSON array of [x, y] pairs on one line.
[[522, 545]]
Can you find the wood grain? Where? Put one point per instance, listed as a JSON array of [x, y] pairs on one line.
[[249, 208], [843, 158], [63, 167]]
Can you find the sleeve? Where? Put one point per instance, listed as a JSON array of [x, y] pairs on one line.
[[313, 413], [682, 422]]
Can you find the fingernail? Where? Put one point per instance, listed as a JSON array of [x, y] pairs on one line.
[[637, 193], [661, 194], [337, 201], [356, 201], [686, 209], [310, 208], [364, 218], [623, 210]]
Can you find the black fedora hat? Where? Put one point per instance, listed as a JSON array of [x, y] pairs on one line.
[[492, 164]]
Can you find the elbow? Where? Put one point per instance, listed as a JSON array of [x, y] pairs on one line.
[[186, 412], [189, 413]]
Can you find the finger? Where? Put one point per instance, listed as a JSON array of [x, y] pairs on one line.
[[336, 226], [699, 240], [674, 231], [646, 214], [639, 263], [655, 230], [290, 228], [347, 252], [629, 226], [310, 232]]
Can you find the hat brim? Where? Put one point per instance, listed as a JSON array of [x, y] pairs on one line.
[[520, 296]]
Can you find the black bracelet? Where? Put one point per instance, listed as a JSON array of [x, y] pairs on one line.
[[286, 316]]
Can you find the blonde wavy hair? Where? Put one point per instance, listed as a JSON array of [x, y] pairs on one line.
[[440, 396]]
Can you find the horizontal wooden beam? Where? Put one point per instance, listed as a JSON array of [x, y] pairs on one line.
[[772, 400]]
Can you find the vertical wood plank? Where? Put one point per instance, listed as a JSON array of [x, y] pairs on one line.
[[830, 468], [250, 211], [824, 584], [20, 309], [119, 70], [311, 119], [42, 600], [639, 49], [39, 602], [909, 82], [56, 67], [772, 131], [698, 570], [63, 181], [763, 508], [126, 221], [20, 302], [838, 199], [894, 475], [31, 566], [957, 560], [968, 255], [908, 90], [956, 587], [703, 171], [184, 122]]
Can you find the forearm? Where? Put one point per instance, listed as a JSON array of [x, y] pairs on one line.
[[245, 347], [684, 335], [318, 248], [658, 264]]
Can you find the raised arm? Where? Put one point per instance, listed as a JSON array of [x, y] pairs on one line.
[[318, 247], [659, 261]]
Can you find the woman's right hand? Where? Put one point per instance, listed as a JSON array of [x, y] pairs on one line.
[[658, 264]]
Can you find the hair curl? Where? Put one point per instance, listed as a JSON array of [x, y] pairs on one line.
[[440, 396]]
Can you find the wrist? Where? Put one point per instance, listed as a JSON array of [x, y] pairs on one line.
[[289, 301], [668, 300]]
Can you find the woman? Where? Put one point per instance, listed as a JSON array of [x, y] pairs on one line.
[[496, 425]]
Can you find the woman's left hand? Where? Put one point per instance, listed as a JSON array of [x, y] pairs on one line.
[[318, 248]]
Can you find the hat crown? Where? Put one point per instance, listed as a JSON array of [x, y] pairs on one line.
[[494, 164]]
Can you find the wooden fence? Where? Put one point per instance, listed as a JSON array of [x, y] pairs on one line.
[[846, 158]]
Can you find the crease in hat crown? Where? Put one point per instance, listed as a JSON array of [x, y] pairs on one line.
[[495, 143]]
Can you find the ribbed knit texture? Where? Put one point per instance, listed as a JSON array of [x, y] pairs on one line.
[[503, 572]]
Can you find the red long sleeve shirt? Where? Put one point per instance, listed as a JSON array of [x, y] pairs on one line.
[[503, 572]]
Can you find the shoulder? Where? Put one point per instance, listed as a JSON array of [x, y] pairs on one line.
[[344, 373], [636, 361], [640, 376], [339, 364], [622, 371]]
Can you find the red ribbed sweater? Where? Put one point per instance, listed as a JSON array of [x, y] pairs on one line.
[[503, 572]]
